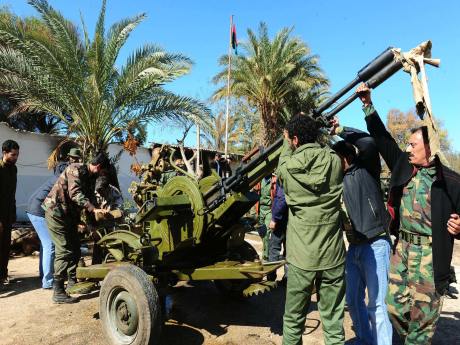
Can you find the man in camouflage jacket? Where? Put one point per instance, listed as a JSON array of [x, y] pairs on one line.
[[424, 203], [108, 197], [70, 194]]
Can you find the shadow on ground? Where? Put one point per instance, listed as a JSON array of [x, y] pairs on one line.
[[200, 305], [448, 322], [443, 334], [20, 285], [175, 335]]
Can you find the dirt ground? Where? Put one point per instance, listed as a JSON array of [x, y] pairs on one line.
[[199, 315]]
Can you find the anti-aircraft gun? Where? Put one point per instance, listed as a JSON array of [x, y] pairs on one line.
[[189, 229]]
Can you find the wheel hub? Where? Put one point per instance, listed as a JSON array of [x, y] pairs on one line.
[[124, 314]]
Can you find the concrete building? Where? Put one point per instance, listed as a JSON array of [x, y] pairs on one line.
[[35, 148]]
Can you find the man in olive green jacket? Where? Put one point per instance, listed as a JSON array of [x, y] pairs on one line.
[[311, 176], [8, 172]]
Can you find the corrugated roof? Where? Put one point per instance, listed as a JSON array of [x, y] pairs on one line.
[[194, 148], [58, 136]]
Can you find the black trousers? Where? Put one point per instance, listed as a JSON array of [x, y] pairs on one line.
[[5, 244], [276, 243]]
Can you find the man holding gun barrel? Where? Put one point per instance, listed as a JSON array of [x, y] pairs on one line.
[[424, 203], [311, 176]]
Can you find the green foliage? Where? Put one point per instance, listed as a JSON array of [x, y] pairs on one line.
[[242, 130], [454, 160], [33, 122], [399, 125], [215, 137], [62, 72], [277, 77]]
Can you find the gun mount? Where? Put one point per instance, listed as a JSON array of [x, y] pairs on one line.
[[190, 229]]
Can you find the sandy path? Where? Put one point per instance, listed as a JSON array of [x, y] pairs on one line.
[[200, 315]]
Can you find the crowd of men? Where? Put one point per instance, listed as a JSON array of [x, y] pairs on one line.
[[400, 253], [60, 210], [328, 189]]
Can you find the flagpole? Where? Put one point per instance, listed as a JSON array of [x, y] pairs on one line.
[[228, 85], [197, 168]]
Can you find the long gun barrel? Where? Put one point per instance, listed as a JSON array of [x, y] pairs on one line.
[[373, 67], [373, 74], [374, 81]]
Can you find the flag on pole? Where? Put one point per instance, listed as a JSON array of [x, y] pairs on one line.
[[234, 40], [233, 45]]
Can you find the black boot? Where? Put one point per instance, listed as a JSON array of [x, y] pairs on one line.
[[59, 295]]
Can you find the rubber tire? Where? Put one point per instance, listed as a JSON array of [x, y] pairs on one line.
[[136, 282], [234, 287]]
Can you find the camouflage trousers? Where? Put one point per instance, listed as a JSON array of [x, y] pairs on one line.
[[64, 233], [414, 305]]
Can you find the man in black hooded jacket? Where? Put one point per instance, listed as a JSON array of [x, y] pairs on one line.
[[368, 255]]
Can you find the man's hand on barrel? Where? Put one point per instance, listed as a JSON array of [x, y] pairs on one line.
[[364, 94]]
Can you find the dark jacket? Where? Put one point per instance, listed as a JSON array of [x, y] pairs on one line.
[[34, 205], [445, 198], [279, 208], [362, 194], [221, 167], [8, 181]]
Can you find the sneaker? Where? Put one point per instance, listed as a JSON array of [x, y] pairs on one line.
[[452, 292], [4, 284], [6, 281]]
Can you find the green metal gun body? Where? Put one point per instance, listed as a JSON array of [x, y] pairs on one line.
[[193, 228], [209, 222]]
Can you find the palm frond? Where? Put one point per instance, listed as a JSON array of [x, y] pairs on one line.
[[47, 65], [270, 74]]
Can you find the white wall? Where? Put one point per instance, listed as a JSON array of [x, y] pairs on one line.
[[32, 164]]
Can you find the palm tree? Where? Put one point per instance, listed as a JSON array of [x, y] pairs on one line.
[[270, 75], [214, 136], [32, 122], [62, 72]]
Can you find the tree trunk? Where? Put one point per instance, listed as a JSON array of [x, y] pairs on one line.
[[270, 127]]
